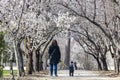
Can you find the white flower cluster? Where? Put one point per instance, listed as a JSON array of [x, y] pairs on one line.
[[64, 19]]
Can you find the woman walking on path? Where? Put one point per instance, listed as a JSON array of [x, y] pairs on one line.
[[54, 56]]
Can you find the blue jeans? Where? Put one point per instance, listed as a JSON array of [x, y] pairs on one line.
[[51, 69]]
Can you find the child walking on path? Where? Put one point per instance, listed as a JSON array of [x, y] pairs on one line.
[[71, 69]]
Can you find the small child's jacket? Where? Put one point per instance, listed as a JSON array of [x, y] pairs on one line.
[[71, 68]]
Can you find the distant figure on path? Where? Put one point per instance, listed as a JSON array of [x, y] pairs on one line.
[[71, 69], [54, 56], [75, 64]]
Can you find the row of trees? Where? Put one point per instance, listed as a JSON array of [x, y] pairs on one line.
[[30, 25], [97, 28]]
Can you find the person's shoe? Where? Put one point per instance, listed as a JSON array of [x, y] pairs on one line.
[[56, 75]]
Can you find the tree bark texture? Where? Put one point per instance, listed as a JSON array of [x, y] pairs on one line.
[[37, 60], [17, 58], [40, 63], [99, 64], [67, 55], [20, 52], [105, 66]]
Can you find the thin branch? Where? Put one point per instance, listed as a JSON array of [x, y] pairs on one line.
[[91, 53], [47, 45], [49, 42], [78, 32], [105, 14], [94, 10], [89, 39], [19, 21], [93, 22]]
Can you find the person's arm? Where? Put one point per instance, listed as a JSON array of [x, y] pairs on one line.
[[49, 52]]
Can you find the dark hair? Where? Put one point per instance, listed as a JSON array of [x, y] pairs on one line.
[[71, 61], [54, 42]]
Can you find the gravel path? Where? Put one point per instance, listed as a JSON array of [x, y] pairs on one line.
[[79, 75]]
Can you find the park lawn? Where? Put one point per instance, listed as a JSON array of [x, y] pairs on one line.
[[7, 73]]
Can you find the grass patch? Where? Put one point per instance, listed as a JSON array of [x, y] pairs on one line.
[[7, 72]]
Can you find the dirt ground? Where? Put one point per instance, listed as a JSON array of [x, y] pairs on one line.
[[78, 75]]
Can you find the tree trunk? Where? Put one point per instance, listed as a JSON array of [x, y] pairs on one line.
[[116, 63], [27, 63], [67, 55], [105, 67], [11, 70], [17, 58], [11, 59], [22, 71], [116, 60], [30, 63], [46, 64], [34, 60], [99, 64], [41, 63], [37, 60], [21, 60]]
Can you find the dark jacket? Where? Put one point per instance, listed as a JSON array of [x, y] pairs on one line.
[[54, 54], [71, 68]]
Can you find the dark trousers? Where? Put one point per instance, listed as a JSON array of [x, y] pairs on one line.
[[53, 66], [71, 73]]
